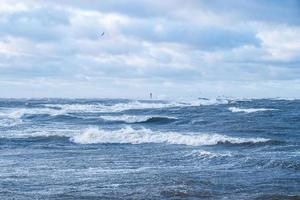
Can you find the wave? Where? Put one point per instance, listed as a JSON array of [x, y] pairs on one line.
[[65, 109], [129, 135], [33, 132], [19, 113], [209, 155], [137, 118], [10, 122], [15, 114], [133, 105], [9, 119], [248, 110], [119, 107], [208, 102]]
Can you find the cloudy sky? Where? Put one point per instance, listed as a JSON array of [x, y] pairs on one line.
[[174, 48]]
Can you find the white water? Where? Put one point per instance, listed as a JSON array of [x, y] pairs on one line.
[[111, 108], [60, 109], [132, 118], [139, 136], [248, 110], [119, 107], [20, 112], [208, 154]]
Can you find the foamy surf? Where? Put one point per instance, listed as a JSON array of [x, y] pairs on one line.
[[207, 102], [19, 113], [133, 105], [102, 156], [248, 110], [12, 114], [207, 154], [129, 135], [135, 118], [119, 107]]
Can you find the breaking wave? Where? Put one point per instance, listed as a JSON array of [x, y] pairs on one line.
[[15, 114], [248, 110], [65, 109], [132, 105], [8, 119], [129, 135], [119, 107], [19, 113], [137, 118]]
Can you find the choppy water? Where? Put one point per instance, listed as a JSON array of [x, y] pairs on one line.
[[124, 149]]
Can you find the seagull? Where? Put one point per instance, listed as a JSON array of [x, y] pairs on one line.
[[102, 34]]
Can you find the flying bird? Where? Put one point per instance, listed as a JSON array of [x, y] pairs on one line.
[[102, 34]]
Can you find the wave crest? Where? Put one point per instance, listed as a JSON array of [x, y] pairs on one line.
[[248, 110], [119, 107], [133, 105], [136, 118], [129, 135], [64, 109]]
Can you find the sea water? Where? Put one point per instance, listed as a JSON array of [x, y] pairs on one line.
[[139, 149]]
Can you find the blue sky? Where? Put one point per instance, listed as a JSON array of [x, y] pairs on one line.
[[176, 49]]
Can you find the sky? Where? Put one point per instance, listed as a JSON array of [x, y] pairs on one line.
[[176, 49]]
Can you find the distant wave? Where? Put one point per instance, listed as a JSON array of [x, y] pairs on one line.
[[14, 117], [208, 102], [19, 113], [137, 118], [119, 107], [248, 110], [9, 119], [133, 105], [139, 136], [65, 109], [15, 114]]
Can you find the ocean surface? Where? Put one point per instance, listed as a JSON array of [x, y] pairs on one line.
[[133, 149]]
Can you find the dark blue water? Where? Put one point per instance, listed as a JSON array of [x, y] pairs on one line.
[[125, 149]]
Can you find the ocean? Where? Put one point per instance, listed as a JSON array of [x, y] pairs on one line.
[[148, 149]]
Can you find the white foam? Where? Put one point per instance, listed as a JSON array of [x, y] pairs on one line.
[[126, 118], [10, 118], [207, 102], [12, 114], [248, 110], [209, 155], [10, 122], [37, 132], [19, 113], [119, 107], [140, 136], [110, 108], [132, 118]]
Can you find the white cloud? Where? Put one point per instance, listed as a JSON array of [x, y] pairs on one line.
[[281, 42], [170, 48]]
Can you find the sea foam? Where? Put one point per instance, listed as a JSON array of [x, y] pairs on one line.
[[129, 135], [19, 113], [61, 109], [136, 118], [133, 105], [248, 110], [208, 154], [119, 107]]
